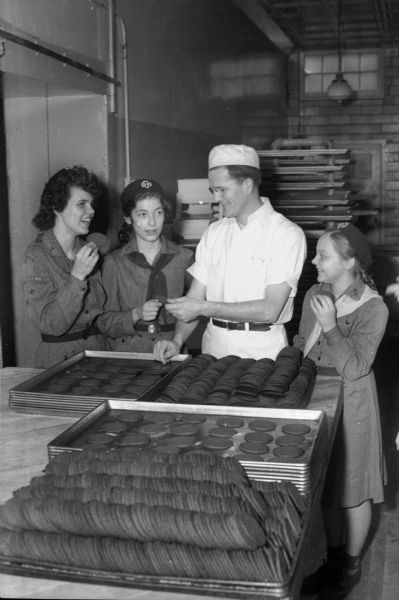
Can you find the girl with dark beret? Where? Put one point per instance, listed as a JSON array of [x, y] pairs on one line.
[[139, 276], [343, 321]]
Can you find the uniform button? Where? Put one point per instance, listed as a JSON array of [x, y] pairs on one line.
[[123, 340], [319, 358], [347, 322], [87, 312], [318, 343]]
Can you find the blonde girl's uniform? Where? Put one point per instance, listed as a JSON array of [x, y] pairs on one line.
[[62, 307], [356, 472], [127, 281]]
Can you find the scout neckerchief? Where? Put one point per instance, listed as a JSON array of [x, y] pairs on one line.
[[344, 305], [157, 284]]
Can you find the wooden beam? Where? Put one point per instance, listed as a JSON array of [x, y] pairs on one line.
[[256, 12]]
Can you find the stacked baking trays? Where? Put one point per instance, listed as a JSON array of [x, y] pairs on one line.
[[271, 444], [77, 385]]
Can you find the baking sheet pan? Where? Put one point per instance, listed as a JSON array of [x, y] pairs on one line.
[[266, 466], [79, 384]]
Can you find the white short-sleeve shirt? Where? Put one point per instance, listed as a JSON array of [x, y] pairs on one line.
[[236, 265]]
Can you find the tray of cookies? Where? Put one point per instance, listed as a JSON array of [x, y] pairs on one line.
[[270, 444], [188, 522], [78, 384]]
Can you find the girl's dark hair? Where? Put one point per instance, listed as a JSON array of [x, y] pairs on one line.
[[57, 190], [346, 251], [125, 231]]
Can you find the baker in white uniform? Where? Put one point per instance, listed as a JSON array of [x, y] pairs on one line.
[[246, 269]]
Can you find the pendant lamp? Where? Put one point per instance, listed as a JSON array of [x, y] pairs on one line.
[[339, 89]]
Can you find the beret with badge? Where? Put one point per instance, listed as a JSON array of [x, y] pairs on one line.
[[358, 242], [138, 188]]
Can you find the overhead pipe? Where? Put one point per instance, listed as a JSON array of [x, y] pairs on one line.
[[125, 101]]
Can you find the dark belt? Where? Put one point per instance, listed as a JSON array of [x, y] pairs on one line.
[[162, 327], [328, 371], [83, 334], [242, 326]]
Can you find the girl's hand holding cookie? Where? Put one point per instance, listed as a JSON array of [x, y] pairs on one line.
[[324, 310], [85, 260]]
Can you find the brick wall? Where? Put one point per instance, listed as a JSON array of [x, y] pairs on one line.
[[367, 119]]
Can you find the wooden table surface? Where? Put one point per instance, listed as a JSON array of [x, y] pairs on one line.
[[23, 445]]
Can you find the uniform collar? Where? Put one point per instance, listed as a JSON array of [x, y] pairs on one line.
[[263, 212], [354, 291], [260, 215]]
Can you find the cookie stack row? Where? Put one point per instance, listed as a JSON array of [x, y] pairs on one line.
[[284, 382], [78, 515]]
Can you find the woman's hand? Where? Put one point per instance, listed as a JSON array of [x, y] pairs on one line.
[[85, 260], [324, 310], [147, 311]]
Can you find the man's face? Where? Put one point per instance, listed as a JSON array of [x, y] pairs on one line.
[[231, 194]]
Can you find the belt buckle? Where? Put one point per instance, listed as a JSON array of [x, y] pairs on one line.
[[153, 328]]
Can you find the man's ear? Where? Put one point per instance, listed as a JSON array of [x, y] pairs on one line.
[[248, 185]]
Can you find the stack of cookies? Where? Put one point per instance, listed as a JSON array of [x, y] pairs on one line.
[[185, 516], [286, 382]]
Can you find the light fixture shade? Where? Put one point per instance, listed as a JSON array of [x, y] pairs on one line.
[[339, 89]]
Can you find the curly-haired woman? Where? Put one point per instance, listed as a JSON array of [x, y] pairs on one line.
[[61, 279]]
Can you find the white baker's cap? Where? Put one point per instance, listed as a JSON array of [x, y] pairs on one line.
[[233, 154]]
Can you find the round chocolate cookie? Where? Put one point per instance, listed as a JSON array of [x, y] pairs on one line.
[[230, 422], [130, 416], [222, 432], [290, 440], [162, 418], [295, 428], [216, 443], [134, 439], [111, 388], [184, 429], [80, 390], [112, 427], [180, 441], [88, 382], [254, 448], [288, 452], [258, 436], [262, 425], [100, 375], [153, 429], [98, 438], [193, 418], [54, 387]]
